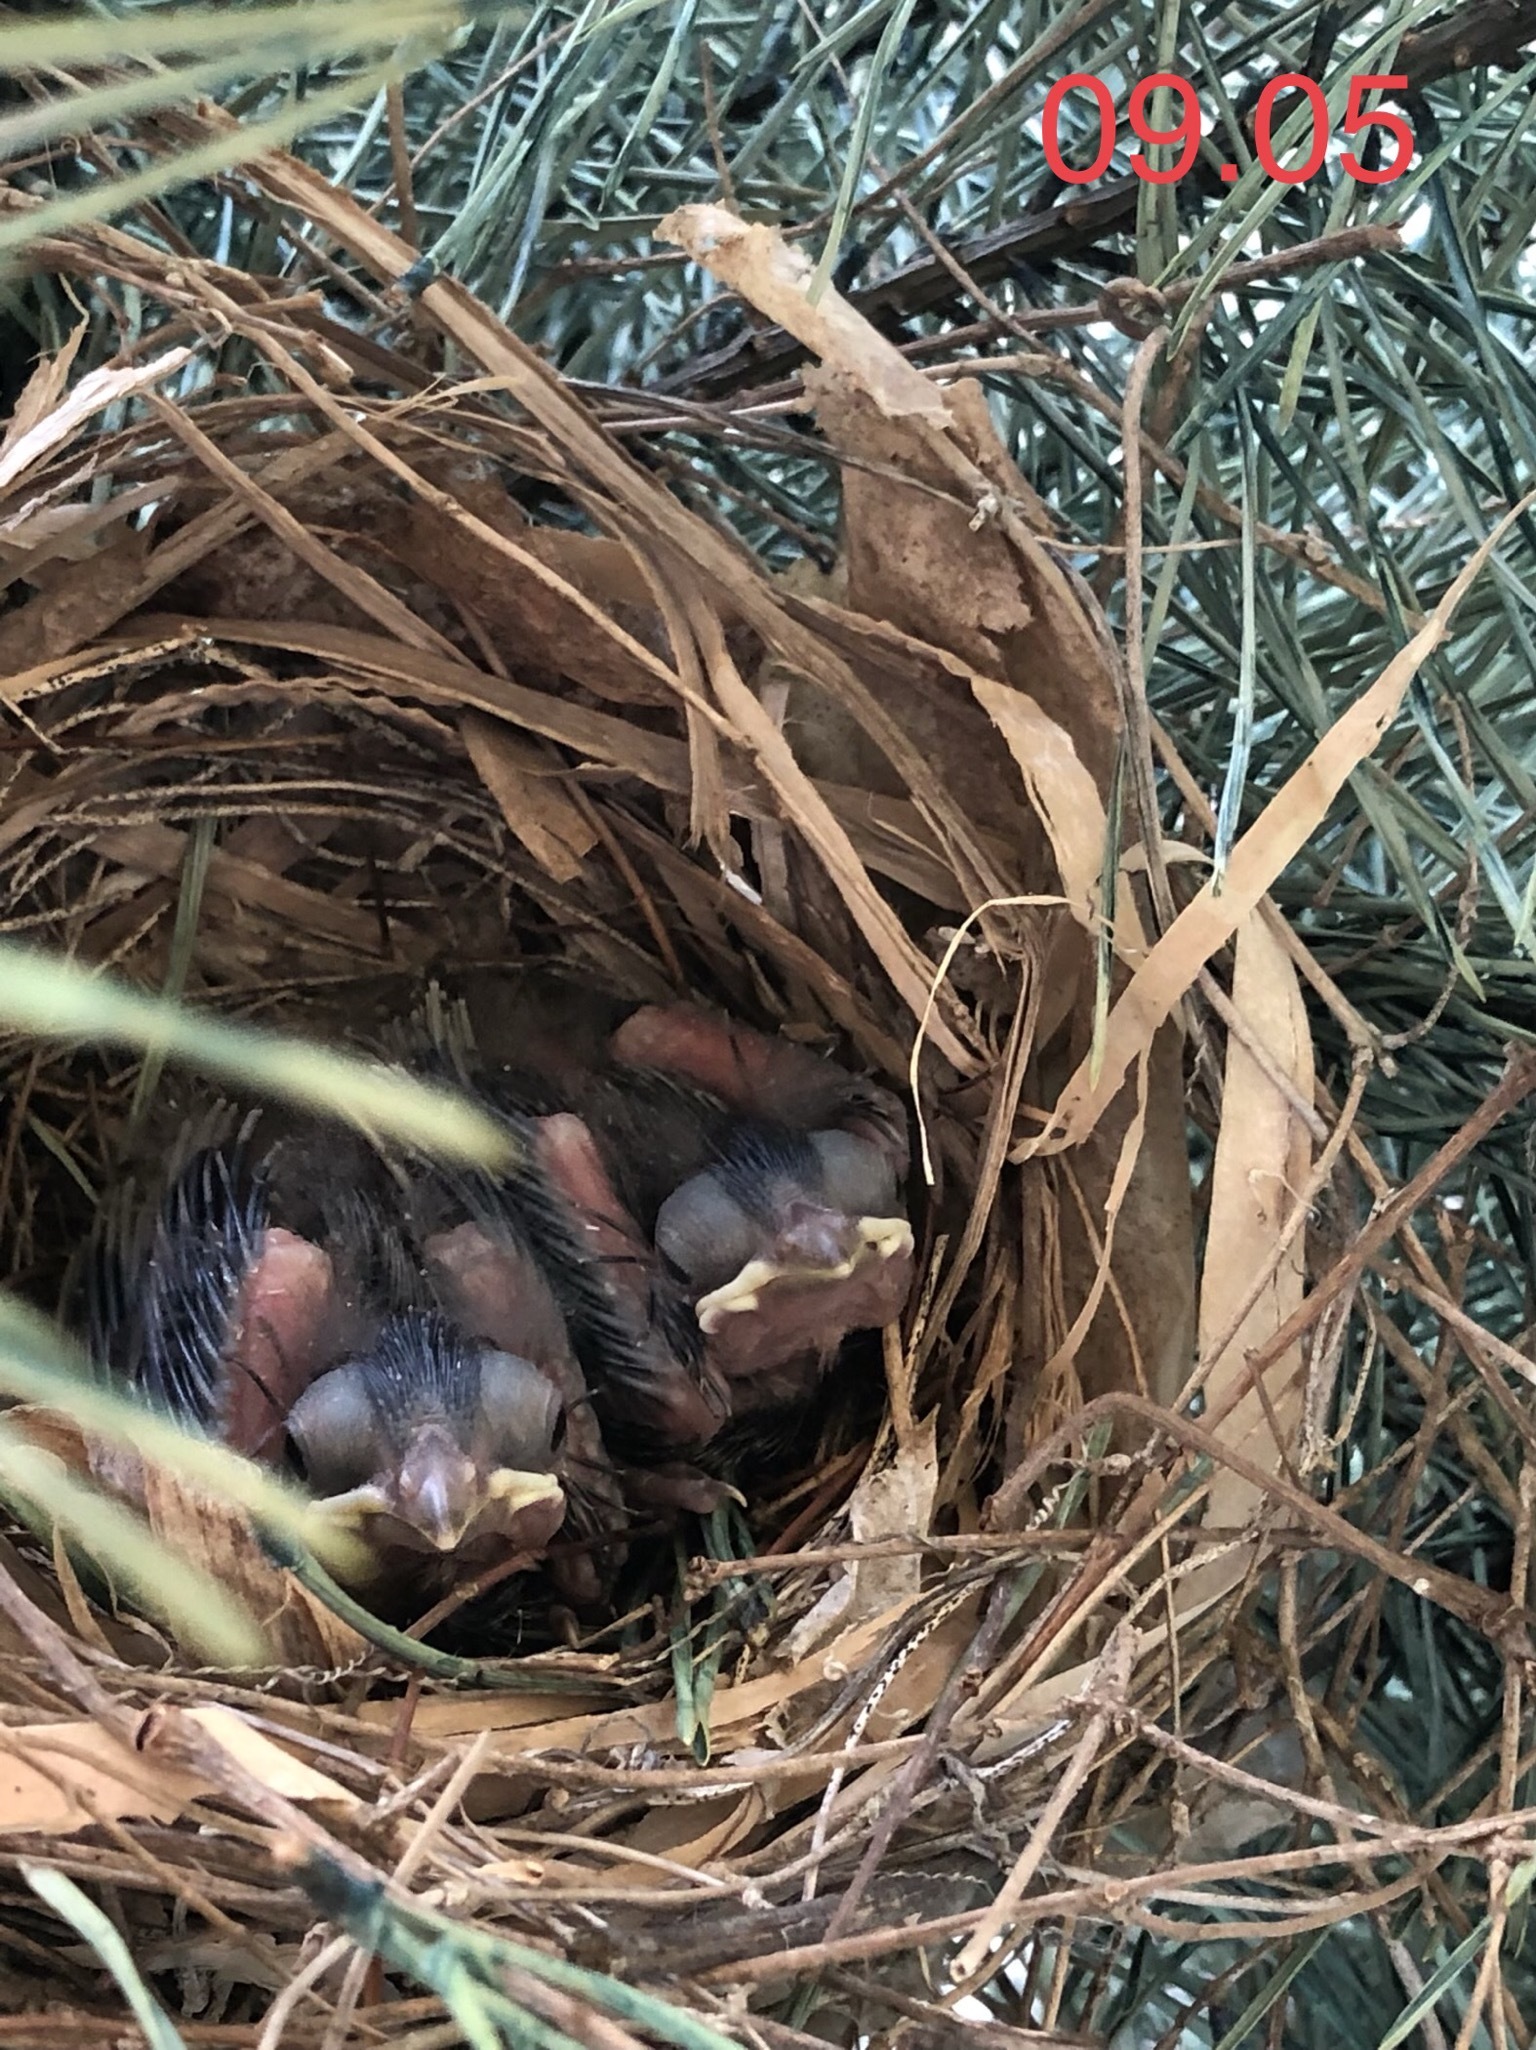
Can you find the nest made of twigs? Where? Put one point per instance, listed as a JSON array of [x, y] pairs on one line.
[[381, 660]]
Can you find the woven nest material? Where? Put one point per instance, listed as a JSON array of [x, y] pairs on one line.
[[381, 649]]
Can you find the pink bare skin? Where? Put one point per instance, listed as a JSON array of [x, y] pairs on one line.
[[760, 1076], [764, 1354], [285, 1328], [680, 1408]]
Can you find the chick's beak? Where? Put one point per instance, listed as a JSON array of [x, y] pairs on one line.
[[888, 1238], [520, 1492], [436, 1500], [818, 1246], [438, 1491], [442, 1494]]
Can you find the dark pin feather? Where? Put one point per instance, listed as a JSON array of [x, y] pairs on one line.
[[156, 1303], [630, 1326]]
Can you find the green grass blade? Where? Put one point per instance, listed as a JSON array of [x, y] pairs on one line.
[[57, 999], [95, 1927]]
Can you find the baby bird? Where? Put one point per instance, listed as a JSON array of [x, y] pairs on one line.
[[745, 1198], [289, 1296], [794, 1234]]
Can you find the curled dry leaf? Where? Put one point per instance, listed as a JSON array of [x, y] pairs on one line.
[[58, 1777], [533, 801], [1069, 803], [894, 1499], [299, 1629], [758, 263], [1263, 1156], [194, 1524]]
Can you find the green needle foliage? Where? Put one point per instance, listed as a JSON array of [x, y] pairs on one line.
[[499, 1992]]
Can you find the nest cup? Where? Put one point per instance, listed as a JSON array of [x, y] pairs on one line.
[[328, 697]]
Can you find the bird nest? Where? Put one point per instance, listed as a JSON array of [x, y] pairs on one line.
[[352, 651]]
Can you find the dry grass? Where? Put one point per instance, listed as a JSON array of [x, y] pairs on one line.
[[305, 709]]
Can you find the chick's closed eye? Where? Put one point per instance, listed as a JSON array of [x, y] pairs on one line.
[[336, 1437], [857, 1177], [520, 1410], [706, 1232]]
